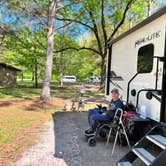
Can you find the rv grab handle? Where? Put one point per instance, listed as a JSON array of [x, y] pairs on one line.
[[146, 90]]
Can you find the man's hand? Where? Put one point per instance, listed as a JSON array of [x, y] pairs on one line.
[[99, 106]]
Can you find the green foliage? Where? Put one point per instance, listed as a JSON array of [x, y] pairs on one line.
[[25, 48], [71, 62]]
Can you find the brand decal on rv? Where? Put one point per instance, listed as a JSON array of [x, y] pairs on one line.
[[147, 38]]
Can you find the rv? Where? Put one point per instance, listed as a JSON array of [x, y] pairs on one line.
[[136, 65]]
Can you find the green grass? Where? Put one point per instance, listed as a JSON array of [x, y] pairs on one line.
[[26, 90], [22, 93]]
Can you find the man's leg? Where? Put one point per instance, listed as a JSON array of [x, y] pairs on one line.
[[91, 112], [95, 120]]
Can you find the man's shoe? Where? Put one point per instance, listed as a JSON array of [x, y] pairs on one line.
[[87, 129], [90, 132]]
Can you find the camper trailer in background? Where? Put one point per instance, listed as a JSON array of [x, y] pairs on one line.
[[94, 79], [137, 67]]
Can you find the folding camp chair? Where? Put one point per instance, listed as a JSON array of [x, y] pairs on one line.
[[119, 129]]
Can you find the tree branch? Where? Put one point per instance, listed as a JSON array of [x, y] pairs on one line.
[[76, 21], [103, 26], [70, 22], [96, 32], [72, 3], [78, 49], [122, 20]]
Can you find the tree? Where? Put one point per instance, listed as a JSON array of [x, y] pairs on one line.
[[104, 20], [36, 13], [52, 12], [94, 19], [72, 62], [49, 51], [26, 52], [62, 60]]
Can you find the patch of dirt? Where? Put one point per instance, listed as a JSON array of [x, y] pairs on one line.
[[34, 104]]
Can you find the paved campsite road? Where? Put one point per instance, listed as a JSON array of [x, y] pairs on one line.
[[69, 145]]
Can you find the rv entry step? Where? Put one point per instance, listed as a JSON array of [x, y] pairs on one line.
[[125, 163], [158, 140], [144, 155]]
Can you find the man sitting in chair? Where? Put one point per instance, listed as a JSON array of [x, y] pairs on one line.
[[97, 115]]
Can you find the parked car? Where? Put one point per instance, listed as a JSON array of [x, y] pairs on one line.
[[95, 79], [69, 79]]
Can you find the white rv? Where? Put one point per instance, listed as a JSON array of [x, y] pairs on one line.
[[136, 66]]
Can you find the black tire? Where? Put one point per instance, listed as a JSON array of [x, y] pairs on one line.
[[91, 141]]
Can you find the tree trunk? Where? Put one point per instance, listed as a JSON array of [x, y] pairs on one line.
[[22, 77], [36, 75], [61, 68], [32, 75], [61, 79], [150, 7], [102, 72], [45, 95]]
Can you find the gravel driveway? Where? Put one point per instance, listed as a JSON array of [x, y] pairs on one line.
[[63, 144], [72, 146]]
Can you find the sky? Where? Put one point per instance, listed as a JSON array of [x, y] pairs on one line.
[[11, 19]]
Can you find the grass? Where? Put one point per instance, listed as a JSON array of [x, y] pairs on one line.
[[22, 114], [26, 90], [17, 123]]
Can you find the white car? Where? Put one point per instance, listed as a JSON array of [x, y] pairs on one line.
[[69, 79], [95, 79]]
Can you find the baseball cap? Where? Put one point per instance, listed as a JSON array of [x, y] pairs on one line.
[[115, 90]]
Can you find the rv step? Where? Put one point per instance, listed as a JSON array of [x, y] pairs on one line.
[[144, 155], [124, 163], [158, 140]]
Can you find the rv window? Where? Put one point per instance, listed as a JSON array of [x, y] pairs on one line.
[[145, 59]]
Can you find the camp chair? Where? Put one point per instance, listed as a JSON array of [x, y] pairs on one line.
[[118, 127]]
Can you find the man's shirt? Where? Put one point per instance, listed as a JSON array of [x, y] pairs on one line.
[[114, 105]]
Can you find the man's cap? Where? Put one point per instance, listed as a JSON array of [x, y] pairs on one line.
[[115, 90]]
